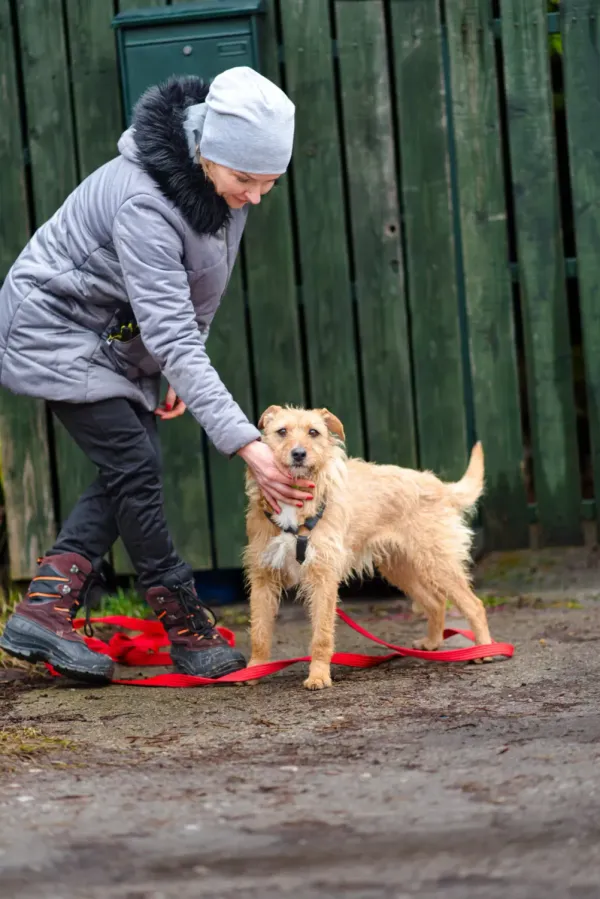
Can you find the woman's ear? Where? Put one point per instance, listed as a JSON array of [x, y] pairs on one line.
[[334, 425], [267, 415]]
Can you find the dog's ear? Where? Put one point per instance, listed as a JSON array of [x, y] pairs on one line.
[[267, 414], [333, 424]]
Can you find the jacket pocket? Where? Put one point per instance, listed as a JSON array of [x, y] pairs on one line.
[[131, 358]]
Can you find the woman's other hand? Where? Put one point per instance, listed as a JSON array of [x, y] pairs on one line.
[[276, 484], [172, 407]]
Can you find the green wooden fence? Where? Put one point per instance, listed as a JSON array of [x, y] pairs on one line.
[[417, 272]]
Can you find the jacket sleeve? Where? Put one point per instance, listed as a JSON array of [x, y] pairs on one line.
[[149, 247]]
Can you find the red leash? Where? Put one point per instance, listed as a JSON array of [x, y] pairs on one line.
[[150, 648]]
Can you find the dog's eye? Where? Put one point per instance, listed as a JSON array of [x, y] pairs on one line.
[[282, 432], [313, 433]]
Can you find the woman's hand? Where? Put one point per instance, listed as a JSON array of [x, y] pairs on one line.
[[172, 406], [276, 484]]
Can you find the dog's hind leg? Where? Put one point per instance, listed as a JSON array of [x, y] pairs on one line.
[[430, 601], [460, 594], [433, 602], [265, 593]]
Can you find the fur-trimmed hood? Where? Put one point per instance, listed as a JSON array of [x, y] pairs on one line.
[[159, 136]]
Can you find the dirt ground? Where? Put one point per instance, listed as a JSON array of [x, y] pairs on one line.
[[413, 779]]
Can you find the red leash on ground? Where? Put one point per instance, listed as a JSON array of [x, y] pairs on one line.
[[149, 648]]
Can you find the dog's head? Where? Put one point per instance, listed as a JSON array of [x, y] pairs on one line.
[[303, 440]]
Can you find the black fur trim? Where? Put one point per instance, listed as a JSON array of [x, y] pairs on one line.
[[164, 153]]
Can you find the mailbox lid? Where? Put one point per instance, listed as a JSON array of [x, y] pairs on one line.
[[208, 9]]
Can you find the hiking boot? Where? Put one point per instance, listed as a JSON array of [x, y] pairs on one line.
[[41, 627], [196, 646]]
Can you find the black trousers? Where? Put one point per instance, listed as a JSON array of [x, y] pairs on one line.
[[126, 499]]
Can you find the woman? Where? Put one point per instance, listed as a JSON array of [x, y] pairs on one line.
[[120, 286]]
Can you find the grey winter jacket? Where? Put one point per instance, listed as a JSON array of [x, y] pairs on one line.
[[144, 238]]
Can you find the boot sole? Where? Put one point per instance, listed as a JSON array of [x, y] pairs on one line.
[[21, 644], [227, 666]]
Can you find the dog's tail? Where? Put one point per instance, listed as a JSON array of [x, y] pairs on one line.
[[466, 492]]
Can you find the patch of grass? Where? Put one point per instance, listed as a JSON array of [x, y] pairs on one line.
[[492, 602], [25, 742], [233, 617], [7, 603], [124, 602], [566, 604]]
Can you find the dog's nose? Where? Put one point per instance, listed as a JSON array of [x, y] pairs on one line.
[[298, 454]]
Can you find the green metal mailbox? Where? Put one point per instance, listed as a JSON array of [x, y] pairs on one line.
[[202, 38]]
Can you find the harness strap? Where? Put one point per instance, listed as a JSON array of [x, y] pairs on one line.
[[301, 539]]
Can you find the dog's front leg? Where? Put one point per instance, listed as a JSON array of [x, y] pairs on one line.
[[322, 595], [265, 592]]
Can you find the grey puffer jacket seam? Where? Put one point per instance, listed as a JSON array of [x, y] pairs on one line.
[[75, 268]]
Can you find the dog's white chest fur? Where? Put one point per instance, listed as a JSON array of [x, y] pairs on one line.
[[281, 551]]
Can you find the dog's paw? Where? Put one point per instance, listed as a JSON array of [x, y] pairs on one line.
[[486, 659], [426, 644], [317, 681]]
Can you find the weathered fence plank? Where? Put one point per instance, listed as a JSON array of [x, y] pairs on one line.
[[541, 271], [96, 94], [23, 436], [325, 273], [375, 218], [14, 218], [580, 26], [271, 279], [50, 126], [487, 277], [52, 151], [228, 351], [437, 344]]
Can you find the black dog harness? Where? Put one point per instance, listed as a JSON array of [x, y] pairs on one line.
[[301, 539]]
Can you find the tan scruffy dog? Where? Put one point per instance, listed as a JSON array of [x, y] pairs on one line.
[[408, 524]]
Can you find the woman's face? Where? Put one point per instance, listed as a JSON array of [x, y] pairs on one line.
[[238, 188]]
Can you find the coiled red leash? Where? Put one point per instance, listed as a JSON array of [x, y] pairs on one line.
[[149, 648]]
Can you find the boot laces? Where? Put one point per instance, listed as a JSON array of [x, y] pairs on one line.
[[202, 619], [101, 573]]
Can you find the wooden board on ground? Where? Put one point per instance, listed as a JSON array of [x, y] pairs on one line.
[[272, 292], [431, 250], [23, 437], [581, 60], [319, 198], [375, 216], [541, 271], [487, 277]]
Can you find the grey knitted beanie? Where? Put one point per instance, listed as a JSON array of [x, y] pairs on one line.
[[246, 123]]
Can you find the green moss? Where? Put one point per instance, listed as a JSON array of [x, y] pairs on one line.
[[27, 741]]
